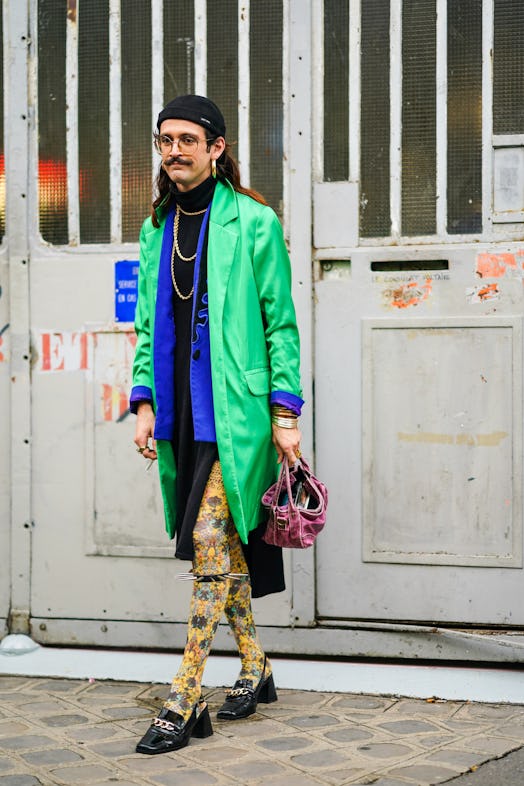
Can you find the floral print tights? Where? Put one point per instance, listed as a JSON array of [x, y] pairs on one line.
[[218, 553]]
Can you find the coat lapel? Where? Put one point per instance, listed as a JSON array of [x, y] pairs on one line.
[[223, 240]]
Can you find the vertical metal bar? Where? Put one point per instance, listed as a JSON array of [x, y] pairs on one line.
[[16, 28], [317, 53], [298, 76], [487, 116], [396, 117], [73, 191], [200, 47], [244, 82], [442, 117], [286, 113], [354, 90], [157, 68], [115, 122]]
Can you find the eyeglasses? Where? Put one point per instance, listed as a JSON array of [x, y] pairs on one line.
[[186, 143]]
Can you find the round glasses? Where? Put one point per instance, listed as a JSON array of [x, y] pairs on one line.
[[186, 143]]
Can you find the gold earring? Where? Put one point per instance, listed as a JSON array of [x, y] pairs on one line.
[[214, 168]]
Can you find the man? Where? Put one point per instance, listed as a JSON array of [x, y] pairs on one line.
[[216, 391]]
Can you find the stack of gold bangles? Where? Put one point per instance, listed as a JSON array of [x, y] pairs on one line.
[[283, 417]]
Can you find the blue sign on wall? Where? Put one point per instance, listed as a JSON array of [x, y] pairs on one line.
[[126, 289]]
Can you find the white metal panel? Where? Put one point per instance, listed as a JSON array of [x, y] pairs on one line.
[[336, 214], [16, 27], [483, 287], [5, 430], [442, 423]]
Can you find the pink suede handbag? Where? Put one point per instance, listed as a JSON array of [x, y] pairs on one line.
[[297, 505]]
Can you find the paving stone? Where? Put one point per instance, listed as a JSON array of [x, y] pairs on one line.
[[408, 726], [384, 750], [185, 777], [51, 756], [6, 764], [20, 780], [119, 782], [25, 742], [436, 740], [71, 775], [458, 758], [137, 727], [495, 746], [382, 782], [92, 733], [253, 770], [115, 748], [147, 764], [326, 757], [489, 711], [341, 776], [113, 689], [431, 708], [505, 733], [294, 780], [348, 734], [59, 721], [424, 773], [12, 683], [12, 727], [39, 707], [215, 753], [14, 697], [289, 698], [362, 703], [131, 711], [285, 743], [312, 721], [252, 726], [59, 686]]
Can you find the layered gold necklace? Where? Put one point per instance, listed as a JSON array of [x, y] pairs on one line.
[[176, 249]]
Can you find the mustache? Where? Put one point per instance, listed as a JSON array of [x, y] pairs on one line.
[[176, 160]]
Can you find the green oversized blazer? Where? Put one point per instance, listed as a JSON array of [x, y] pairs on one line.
[[254, 345]]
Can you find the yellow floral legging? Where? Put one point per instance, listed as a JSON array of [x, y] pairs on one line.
[[218, 552]]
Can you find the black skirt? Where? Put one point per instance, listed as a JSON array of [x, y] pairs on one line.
[[194, 459]]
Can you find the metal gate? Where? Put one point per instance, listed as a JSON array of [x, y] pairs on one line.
[[419, 297], [91, 562], [405, 154]]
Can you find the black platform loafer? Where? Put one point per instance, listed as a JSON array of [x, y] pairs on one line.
[[168, 732], [241, 701]]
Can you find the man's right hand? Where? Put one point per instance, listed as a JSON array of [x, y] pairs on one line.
[[145, 428]]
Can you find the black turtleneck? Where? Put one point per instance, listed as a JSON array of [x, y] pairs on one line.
[[193, 459]]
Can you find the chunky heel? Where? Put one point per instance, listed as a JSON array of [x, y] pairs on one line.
[[268, 692], [241, 701], [203, 727]]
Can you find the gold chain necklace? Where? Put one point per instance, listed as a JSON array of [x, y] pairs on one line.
[[176, 248]]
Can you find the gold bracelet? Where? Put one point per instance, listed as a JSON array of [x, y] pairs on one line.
[[282, 411], [284, 422]]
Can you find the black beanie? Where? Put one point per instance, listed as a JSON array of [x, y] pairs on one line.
[[197, 109]]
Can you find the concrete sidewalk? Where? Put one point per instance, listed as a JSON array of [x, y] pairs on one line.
[[68, 732]]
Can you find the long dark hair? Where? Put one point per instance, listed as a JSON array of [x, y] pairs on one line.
[[227, 169]]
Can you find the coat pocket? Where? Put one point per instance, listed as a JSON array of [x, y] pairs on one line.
[[258, 381]]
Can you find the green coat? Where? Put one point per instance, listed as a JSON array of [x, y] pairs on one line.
[[253, 341]]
